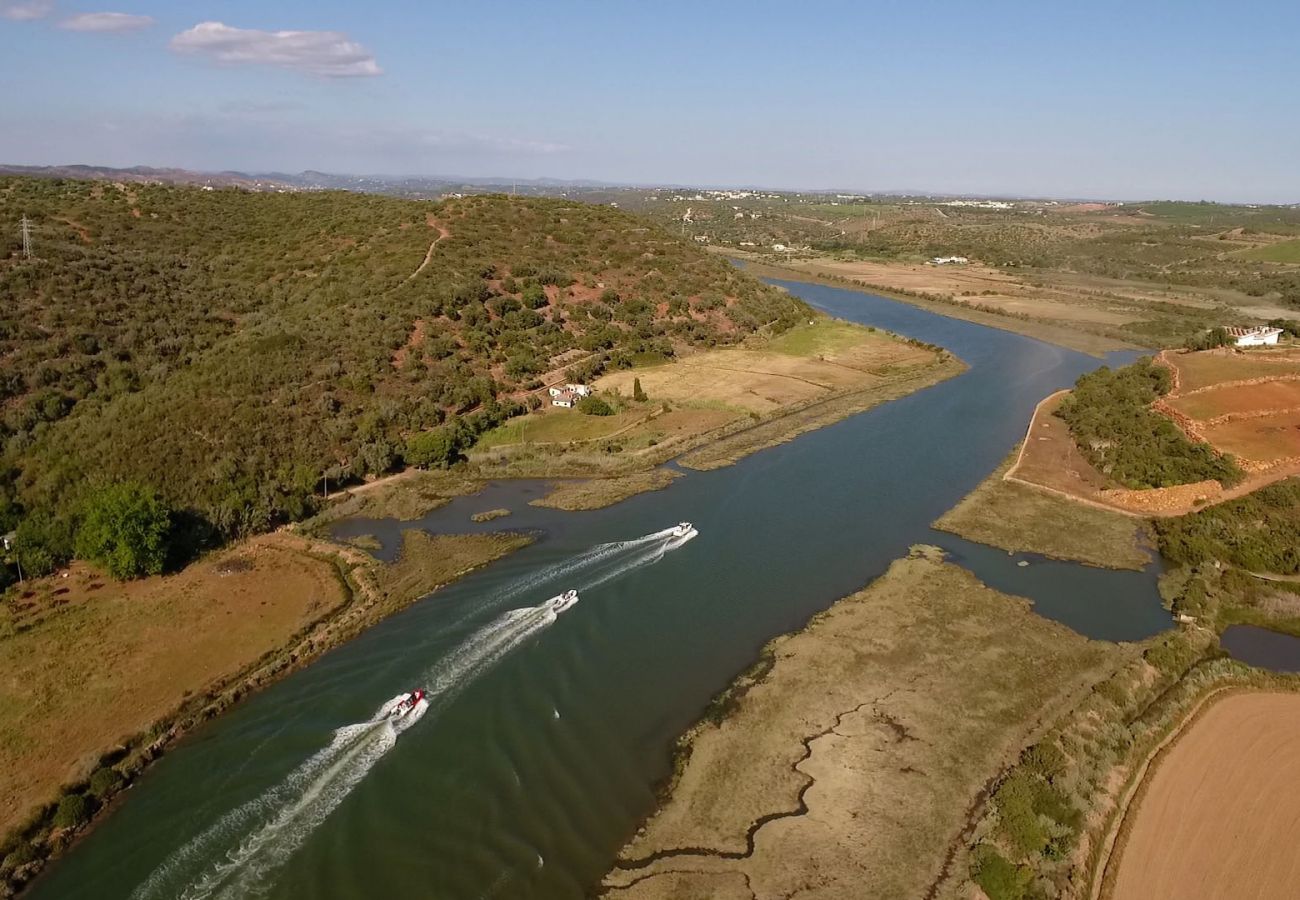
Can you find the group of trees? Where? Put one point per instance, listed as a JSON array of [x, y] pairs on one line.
[[234, 350], [1259, 532], [1110, 417], [125, 528]]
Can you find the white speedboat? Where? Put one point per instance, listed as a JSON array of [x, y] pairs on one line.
[[564, 601], [405, 704], [684, 530]]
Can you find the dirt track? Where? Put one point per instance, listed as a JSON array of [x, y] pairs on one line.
[[1220, 814]]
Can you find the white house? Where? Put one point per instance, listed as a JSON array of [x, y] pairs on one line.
[[1255, 337], [949, 261], [581, 390]]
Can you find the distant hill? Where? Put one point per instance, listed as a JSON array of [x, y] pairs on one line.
[[232, 348]]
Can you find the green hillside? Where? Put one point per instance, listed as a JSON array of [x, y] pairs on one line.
[[230, 349]]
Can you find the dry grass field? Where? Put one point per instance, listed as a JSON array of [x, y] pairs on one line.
[[1219, 815], [836, 769], [68, 693], [737, 400], [805, 364]]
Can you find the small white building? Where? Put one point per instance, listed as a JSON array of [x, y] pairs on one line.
[[949, 261], [581, 390], [1255, 337]]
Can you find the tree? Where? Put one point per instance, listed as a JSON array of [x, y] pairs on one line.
[[125, 528], [638, 394], [592, 405], [437, 448]]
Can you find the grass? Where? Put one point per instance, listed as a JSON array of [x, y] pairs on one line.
[[1281, 252], [428, 561], [823, 336], [408, 496], [595, 493], [558, 426], [85, 661], [1211, 367], [1017, 517], [855, 716]]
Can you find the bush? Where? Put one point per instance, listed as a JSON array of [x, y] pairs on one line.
[[1209, 340], [73, 810], [1259, 532], [997, 876], [591, 405], [638, 394], [125, 529], [104, 782], [19, 856], [439, 448], [1110, 418]]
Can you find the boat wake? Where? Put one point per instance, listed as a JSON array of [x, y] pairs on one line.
[[259, 836]]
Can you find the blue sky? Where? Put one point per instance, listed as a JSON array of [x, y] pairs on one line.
[[1102, 99]]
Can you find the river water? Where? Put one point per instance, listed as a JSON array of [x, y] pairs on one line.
[[547, 736]]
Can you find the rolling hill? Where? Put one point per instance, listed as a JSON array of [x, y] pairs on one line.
[[230, 349]]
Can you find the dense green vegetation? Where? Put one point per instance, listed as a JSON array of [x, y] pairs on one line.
[[1109, 414], [230, 350], [125, 528], [1259, 532]]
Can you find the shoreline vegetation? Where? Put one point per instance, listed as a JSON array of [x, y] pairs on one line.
[[352, 592], [1018, 517], [769, 794], [854, 369]]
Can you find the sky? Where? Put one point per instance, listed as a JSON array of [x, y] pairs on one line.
[[1109, 100]]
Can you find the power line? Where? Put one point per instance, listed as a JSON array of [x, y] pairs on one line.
[[27, 238]]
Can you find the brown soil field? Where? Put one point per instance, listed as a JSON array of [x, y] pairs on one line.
[[1262, 439], [1219, 816], [1210, 367], [1267, 444], [844, 764], [1231, 399], [91, 661]]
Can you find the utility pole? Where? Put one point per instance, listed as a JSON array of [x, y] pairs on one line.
[[27, 237]]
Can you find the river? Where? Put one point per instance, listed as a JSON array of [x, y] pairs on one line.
[[549, 735]]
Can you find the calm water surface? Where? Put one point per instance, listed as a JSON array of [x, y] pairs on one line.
[[1262, 647], [548, 738]]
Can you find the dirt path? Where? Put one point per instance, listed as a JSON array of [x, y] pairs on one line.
[[443, 232], [1220, 813]]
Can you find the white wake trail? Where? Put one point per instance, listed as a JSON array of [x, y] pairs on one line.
[[277, 823], [259, 836]]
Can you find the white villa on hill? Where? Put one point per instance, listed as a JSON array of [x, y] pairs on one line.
[[566, 396], [1254, 337]]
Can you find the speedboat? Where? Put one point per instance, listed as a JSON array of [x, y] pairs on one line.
[[407, 704], [563, 601], [684, 529]]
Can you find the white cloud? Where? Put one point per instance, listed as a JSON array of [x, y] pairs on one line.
[[26, 10], [112, 22], [327, 53]]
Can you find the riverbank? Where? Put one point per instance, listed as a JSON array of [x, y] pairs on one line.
[[1017, 517], [710, 409], [101, 678], [780, 788], [1082, 340]]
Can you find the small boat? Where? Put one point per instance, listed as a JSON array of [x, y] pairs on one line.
[[563, 601], [407, 704], [684, 529]]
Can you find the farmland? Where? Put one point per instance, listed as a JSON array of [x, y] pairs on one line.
[[1217, 815]]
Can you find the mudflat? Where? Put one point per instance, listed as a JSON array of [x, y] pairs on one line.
[[847, 763], [1220, 813]]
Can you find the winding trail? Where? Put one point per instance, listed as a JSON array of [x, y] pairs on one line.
[[443, 232]]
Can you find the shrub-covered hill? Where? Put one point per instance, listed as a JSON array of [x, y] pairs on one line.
[[231, 349]]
